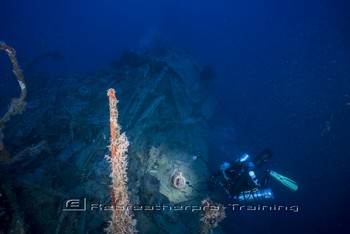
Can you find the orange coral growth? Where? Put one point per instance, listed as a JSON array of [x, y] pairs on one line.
[[114, 127], [122, 220], [212, 214]]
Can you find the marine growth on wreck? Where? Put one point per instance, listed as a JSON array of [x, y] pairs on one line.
[[54, 153]]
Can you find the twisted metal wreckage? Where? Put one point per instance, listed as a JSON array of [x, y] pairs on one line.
[[165, 105]]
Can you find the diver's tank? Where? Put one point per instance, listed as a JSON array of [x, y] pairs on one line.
[[259, 195]]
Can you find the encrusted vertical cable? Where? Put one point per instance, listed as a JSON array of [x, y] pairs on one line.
[[122, 218]]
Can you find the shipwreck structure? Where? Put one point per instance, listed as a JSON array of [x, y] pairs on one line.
[[164, 106]]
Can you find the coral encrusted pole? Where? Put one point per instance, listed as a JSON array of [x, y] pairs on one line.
[[122, 218], [18, 104]]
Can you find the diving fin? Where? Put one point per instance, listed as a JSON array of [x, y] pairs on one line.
[[284, 180]]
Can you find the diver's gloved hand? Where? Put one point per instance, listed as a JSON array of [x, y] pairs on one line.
[[224, 166]]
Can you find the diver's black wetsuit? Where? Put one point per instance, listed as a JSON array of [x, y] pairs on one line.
[[240, 175]]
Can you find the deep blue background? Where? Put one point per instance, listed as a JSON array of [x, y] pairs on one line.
[[282, 78]]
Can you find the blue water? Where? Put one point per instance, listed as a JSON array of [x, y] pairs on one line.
[[282, 78]]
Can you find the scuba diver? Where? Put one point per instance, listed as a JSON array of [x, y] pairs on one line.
[[239, 180]]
